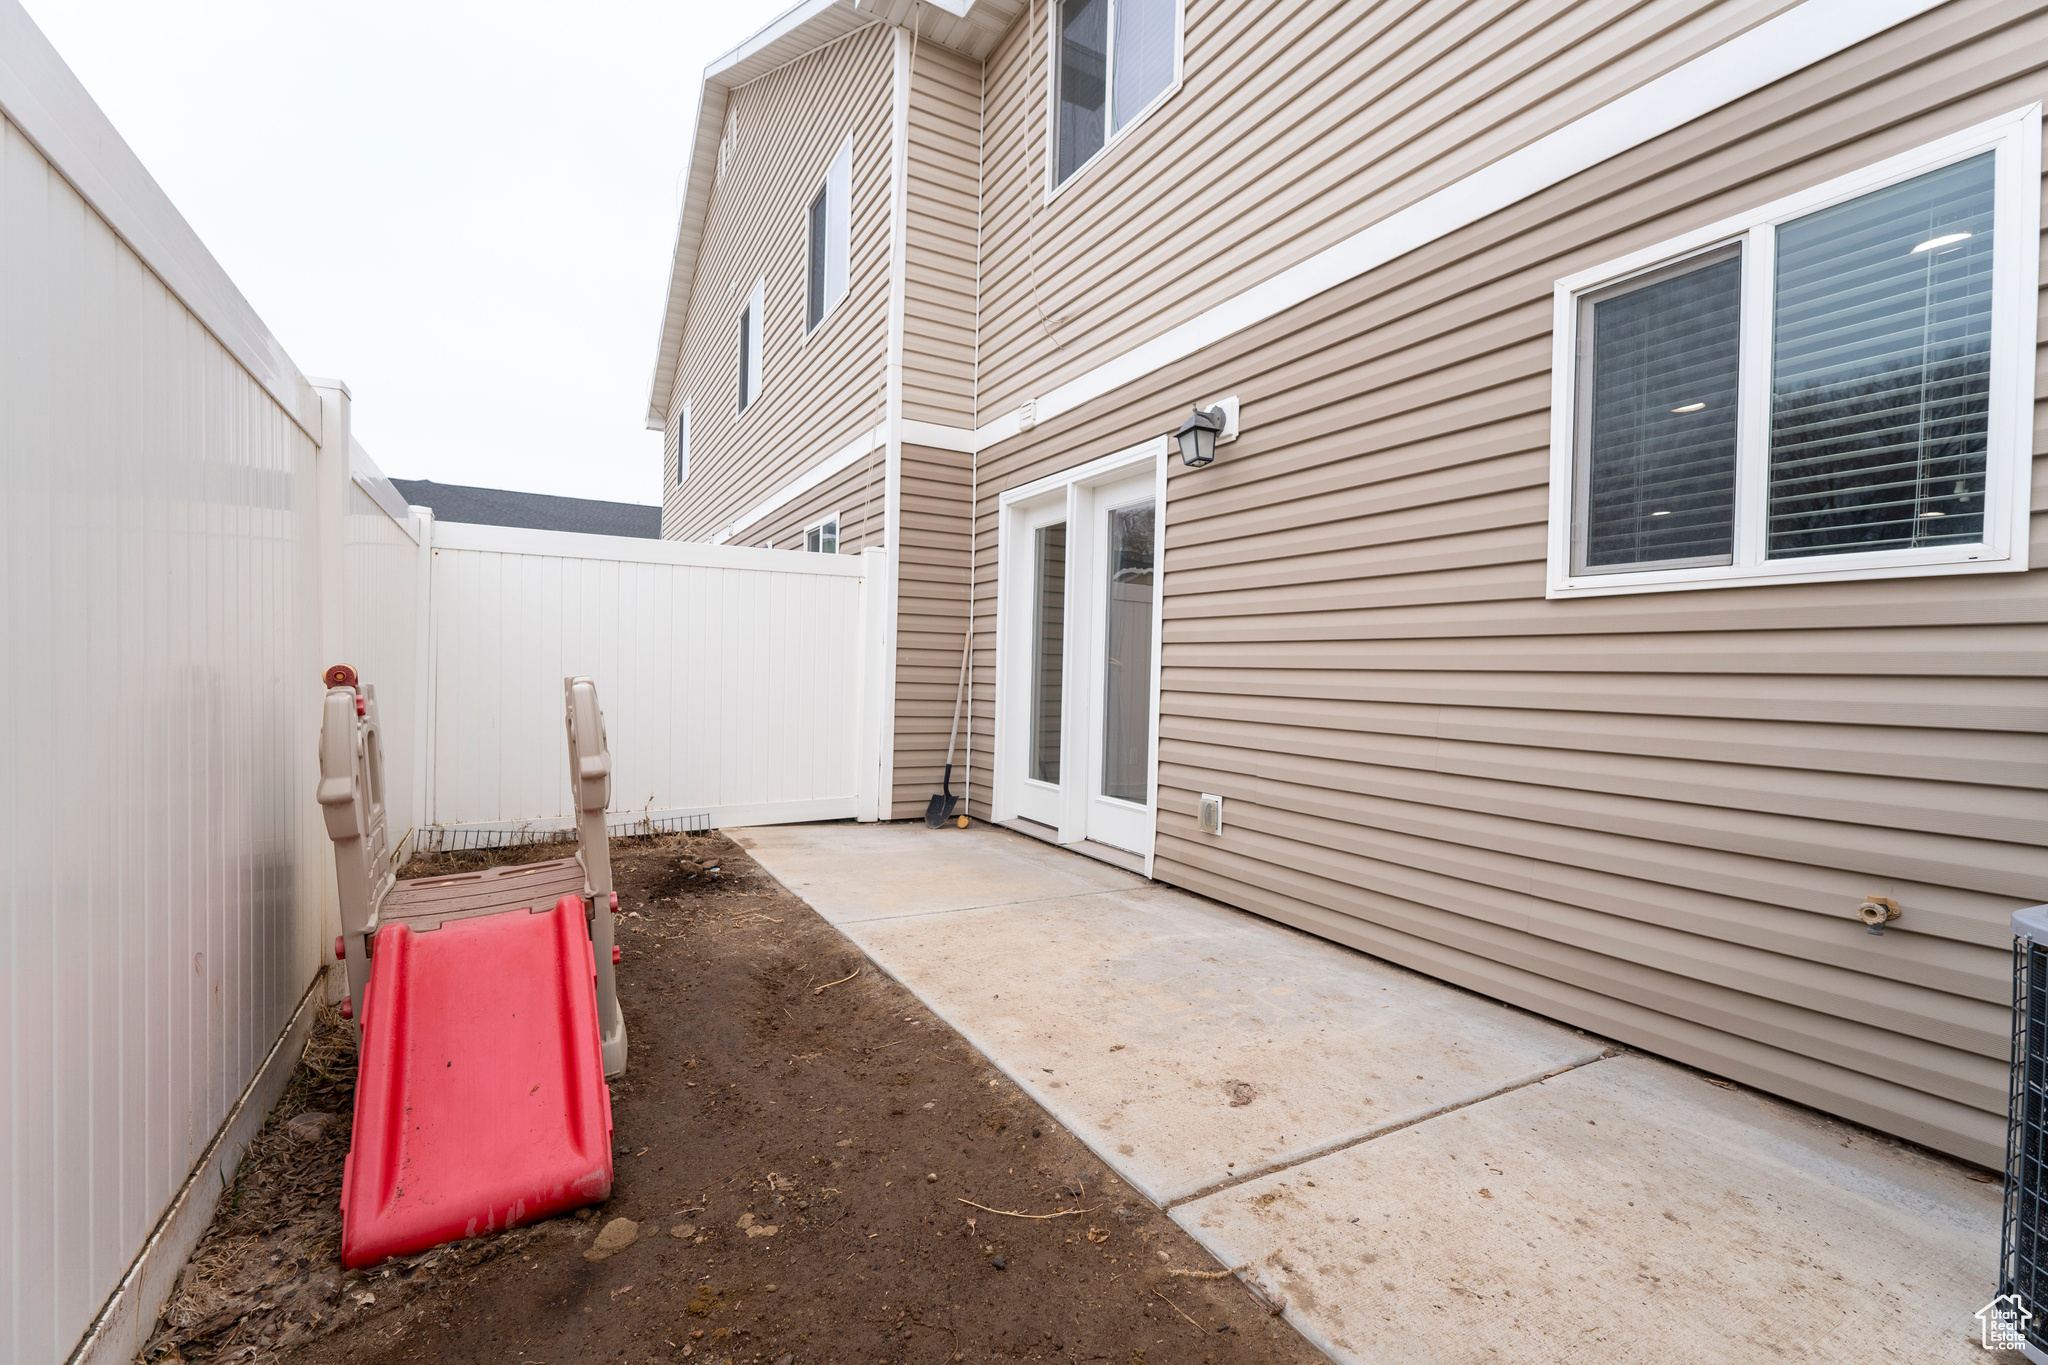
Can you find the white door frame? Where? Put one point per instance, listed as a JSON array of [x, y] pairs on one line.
[[1014, 598]]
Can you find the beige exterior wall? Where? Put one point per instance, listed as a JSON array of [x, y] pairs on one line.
[[1649, 816], [941, 280], [941, 237], [1298, 124], [855, 494], [819, 391], [931, 622]]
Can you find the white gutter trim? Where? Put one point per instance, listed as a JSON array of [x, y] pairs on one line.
[[937, 437], [803, 483], [892, 407], [1808, 33], [778, 28], [42, 97]]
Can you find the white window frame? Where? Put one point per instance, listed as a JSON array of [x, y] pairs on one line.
[[1054, 186], [816, 530], [683, 443], [837, 187], [2016, 224], [747, 391]]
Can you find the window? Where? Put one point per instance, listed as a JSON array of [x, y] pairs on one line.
[[750, 349], [1829, 387], [683, 443], [822, 537], [1113, 59], [830, 239]]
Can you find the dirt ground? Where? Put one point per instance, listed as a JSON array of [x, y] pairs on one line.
[[812, 1166]]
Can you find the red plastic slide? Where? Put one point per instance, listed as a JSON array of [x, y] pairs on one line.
[[480, 1096]]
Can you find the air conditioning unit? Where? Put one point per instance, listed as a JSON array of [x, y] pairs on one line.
[[2023, 1259]]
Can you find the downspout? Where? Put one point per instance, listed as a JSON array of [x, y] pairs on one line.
[[973, 424]]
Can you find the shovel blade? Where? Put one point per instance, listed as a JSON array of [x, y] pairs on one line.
[[939, 809]]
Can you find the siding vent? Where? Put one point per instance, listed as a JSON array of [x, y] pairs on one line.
[[1209, 814]]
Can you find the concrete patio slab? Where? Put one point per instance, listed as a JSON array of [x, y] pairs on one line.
[[1189, 1044], [1419, 1175], [851, 873], [1625, 1211], [1136, 1014]]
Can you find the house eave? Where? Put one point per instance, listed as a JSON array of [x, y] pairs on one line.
[[970, 27]]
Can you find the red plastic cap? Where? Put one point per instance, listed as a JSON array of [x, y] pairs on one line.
[[340, 948], [615, 902], [348, 1008], [361, 708], [341, 675], [615, 954]]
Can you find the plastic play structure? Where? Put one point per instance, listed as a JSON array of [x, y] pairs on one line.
[[485, 1007]]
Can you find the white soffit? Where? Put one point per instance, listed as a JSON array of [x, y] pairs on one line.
[[970, 27], [40, 95]]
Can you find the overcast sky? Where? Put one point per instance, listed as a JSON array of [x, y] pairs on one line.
[[465, 210]]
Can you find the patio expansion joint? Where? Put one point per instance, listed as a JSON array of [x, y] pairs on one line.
[[1274, 1168]]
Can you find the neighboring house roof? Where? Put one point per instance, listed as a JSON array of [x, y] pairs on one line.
[[971, 27], [536, 511]]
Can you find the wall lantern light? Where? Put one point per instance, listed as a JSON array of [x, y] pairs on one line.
[[1197, 436]]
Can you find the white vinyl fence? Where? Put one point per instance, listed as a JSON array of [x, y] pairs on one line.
[[731, 678], [161, 912], [191, 537], [383, 615]]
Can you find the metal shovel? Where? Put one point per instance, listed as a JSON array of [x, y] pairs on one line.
[[940, 808]]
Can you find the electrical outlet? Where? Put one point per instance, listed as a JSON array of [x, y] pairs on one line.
[[1209, 814]]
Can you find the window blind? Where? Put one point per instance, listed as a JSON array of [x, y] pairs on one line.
[[1658, 450], [1083, 82], [814, 285], [1881, 368], [1144, 56]]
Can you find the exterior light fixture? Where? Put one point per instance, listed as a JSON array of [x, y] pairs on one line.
[[1197, 436]]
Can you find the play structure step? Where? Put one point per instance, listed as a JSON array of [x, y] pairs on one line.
[[426, 901], [480, 1094]]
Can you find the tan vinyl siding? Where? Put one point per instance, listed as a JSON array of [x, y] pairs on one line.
[[941, 226], [931, 622], [1296, 126], [819, 391], [941, 278], [855, 493], [1651, 816]]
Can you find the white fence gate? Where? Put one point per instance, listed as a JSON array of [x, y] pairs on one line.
[[732, 679]]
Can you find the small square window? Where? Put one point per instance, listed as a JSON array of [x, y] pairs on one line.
[[822, 537], [1837, 385]]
